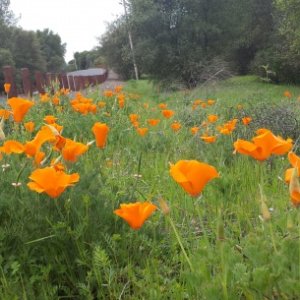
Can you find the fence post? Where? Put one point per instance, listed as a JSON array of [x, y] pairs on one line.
[[40, 82], [72, 83], [65, 81], [26, 82], [9, 78]]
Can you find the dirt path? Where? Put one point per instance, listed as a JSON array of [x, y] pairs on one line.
[[112, 81]]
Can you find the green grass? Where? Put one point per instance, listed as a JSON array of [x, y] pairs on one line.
[[74, 247]]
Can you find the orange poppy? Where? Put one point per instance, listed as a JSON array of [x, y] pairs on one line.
[[264, 145], [142, 131], [211, 102], [118, 88], [135, 214], [121, 100], [162, 106], [32, 148], [212, 118], [153, 122], [294, 188], [12, 146], [51, 182], [49, 119], [287, 94], [72, 150], [7, 87], [176, 126], [108, 93], [194, 130], [100, 131], [167, 113], [246, 120], [19, 107], [55, 100], [136, 124], [228, 127], [208, 139], [29, 126], [44, 97], [134, 118], [295, 162], [4, 113], [192, 175]]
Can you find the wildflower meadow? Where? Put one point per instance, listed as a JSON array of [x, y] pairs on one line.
[[133, 193]]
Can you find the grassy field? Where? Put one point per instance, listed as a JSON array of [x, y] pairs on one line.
[[238, 239]]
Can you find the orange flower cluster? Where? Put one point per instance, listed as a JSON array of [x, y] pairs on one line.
[[228, 127], [263, 145], [83, 105]]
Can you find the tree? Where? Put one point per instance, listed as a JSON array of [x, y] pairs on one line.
[[52, 49], [7, 17], [26, 50]]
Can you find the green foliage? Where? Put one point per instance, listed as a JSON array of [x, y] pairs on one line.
[[75, 247], [52, 49], [27, 51]]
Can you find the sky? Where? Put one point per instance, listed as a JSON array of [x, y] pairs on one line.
[[78, 22]]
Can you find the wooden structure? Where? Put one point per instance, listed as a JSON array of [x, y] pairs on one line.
[[38, 82]]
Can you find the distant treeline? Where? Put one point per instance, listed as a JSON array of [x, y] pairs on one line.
[[40, 50], [190, 41], [180, 42]]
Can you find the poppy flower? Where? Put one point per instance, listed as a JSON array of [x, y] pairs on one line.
[[208, 139], [49, 119], [72, 150], [153, 122], [55, 100], [29, 126], [134, 118], [142, 131], [211, 102], [135, 214], [4, 113], [294, 188], [194, 130], [12, 146], [7, 87], [121, 100], [45, 134], [162, 105], [167, 113], [246, 120], [51, 182], [212, 118], [295, 162], [263, 145], [19, 107], [100, 131], [118, 88], [228, 127], [287, 94], [176, 126], [192, 175], [108, 93]]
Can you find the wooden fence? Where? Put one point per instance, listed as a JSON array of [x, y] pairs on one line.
[[39, 81]]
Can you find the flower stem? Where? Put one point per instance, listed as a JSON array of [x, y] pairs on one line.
[[180, 243]]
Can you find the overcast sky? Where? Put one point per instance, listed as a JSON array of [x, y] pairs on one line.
[[78, 22]]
